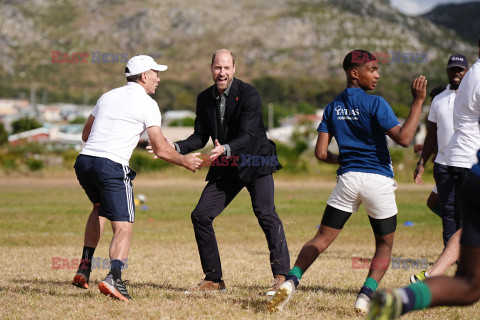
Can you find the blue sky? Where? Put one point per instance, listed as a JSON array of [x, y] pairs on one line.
[[416, 7]]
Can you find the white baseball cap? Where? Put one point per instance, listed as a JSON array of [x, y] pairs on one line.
[[142, 63]]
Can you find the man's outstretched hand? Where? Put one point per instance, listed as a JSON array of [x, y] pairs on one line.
[[217, 151]]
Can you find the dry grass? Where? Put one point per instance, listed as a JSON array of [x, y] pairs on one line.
[[41, 219]]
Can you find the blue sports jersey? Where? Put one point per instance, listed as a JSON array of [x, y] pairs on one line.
[[358, 121]]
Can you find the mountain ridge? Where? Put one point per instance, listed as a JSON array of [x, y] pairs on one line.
[[463, 18], [280, 38]]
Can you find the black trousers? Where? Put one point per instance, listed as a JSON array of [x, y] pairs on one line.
[[471, 207], [459, 177], [446, 198], [214, 199], [450, 182]]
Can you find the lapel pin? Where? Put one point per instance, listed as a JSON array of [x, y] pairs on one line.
[[236, 98]]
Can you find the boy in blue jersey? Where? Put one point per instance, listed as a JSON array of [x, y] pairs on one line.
[[358, 122]]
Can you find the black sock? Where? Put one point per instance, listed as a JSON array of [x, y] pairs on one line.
[[408, 301], [116, 267], [366, 291], [86, 262], [294, 279]]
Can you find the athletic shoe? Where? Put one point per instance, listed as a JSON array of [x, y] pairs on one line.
[[82, 276], [208, 286], [281, 297], [385, 305], [279, 279], [81, 280], [419, 277], [362, 304], [114, 288]]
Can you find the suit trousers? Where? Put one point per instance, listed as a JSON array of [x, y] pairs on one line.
[[215, 198]]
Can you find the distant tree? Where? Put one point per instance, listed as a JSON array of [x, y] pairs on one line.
[[25, 124], [3, 134], [78, 120], [185, 122], [272, 89]]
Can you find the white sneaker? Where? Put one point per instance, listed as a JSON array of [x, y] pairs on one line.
[[422, 276], [362, 304], [281, 297]]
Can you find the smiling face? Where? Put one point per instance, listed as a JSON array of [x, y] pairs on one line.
[[366, 75], [223, 69], [455, 76]]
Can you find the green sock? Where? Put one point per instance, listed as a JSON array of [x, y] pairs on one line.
[[371, 283], [436, 210], [423, 295], [297, 272]]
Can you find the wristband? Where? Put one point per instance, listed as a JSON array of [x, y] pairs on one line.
[[420, 162]]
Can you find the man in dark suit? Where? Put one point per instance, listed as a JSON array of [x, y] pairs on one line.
[[230, 113]]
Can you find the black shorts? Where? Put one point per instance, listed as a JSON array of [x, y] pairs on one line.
[[471, 211], [336, 219], [108, 183]]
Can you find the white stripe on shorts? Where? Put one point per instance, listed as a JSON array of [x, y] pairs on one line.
[[129, 192]]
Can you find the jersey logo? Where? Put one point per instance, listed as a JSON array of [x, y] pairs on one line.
[[346, 114]]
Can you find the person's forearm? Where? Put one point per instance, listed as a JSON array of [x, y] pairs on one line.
[[408, 129], [169, 155], [192, 143], [331, 158], [429, 145], [87, 128], [326, 156]]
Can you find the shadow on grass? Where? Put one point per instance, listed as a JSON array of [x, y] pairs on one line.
[[253, 288], [261, 290], [257, 304], [160, 286], [318, 288], [66, 289], [256, 299], [48, 287]]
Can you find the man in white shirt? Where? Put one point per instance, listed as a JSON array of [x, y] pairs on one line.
[[440, 131], [465, 142], [110, 134]]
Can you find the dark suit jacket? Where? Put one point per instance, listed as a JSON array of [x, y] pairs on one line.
[[253, 155]]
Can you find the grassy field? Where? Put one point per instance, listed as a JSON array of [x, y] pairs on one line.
[[43, 219]]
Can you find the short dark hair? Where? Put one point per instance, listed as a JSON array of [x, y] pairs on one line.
[[436, 91], [218, 51], [133, 78], [357, 58]]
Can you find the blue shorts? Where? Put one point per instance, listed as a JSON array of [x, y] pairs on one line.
[[108, 183]]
